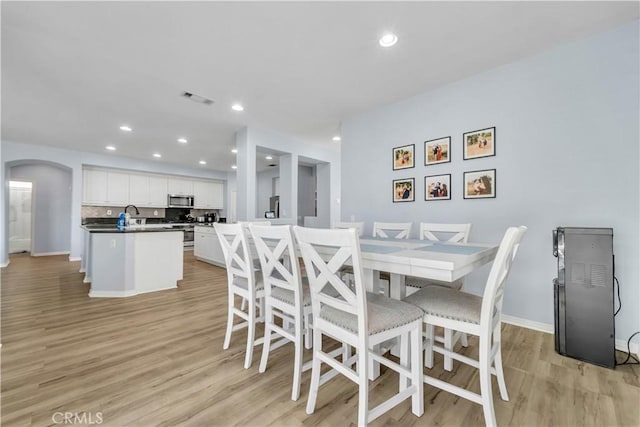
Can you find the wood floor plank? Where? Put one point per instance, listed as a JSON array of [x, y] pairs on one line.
[[157, 360]]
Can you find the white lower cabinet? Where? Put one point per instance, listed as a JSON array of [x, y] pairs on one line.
[[206, 246]]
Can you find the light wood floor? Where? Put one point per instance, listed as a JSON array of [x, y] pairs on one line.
[[157, 359]]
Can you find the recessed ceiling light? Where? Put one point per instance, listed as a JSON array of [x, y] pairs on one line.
[[182, 140], [336, 138], [202, 162], [234, 150], [157, 155], [269, 157], [388, 40], [234, 167], [110, 148], [125, 128], [237, 107]]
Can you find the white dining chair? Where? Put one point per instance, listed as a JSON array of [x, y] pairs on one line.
[[359, 226], [243, 281], [473, 315], [346, 315], [286, 297], [456, 233], [398, 230]]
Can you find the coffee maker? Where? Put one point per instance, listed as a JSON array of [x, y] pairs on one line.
[[210, 217]]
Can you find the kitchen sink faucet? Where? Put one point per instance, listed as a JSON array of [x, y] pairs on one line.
[[131, 206]]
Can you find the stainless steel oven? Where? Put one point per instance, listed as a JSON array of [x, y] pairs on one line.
[[188, 237]]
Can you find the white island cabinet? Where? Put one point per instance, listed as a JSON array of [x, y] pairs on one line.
[[123, 263], [206, 246]]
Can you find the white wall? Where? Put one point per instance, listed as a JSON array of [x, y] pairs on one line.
[[14, 153], [51, 207], [567, 155]]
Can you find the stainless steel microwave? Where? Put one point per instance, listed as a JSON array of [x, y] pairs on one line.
[[179, 201]]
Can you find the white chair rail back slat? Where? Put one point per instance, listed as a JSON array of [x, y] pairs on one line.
[[397, 230], [359, 226], [457, 233]]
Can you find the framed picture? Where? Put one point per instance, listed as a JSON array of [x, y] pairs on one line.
[[480, 184], [479, 143], [437, 187], [437, 151], [403, 190], [403, 157]]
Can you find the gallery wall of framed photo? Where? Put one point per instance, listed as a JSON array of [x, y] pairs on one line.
[[477, 184]]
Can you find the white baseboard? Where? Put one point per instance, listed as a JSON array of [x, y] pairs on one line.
[[50, 253], [4, 264], [112, 294], [74, 258], [621, 345]]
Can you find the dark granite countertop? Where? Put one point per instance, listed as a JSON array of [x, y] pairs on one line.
[[149, 228]]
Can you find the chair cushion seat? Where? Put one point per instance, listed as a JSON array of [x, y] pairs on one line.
[[419, 282], [447, 303], [286, 295], [383, 313]]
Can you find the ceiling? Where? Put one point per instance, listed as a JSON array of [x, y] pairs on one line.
[[73, 72]]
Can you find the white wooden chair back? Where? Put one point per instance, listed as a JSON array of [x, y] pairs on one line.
[[235, 247], [359, 226], [397, 230], [494, 290], [327, 287], [278, 259], [456, 233]]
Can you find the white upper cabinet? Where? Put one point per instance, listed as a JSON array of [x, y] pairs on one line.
[[94, 188], [208, 195], [114, 188], [158, 191], [148, 191], [183, 187], [118, 188]]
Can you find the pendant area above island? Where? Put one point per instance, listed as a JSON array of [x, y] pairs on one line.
[[131, 261]]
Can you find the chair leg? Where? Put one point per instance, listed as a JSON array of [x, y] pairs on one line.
[[498, 364], [227, 335], [308, 332], [417, 400], [428, 348], [266, 346], [463, 340], [251, 332], [485, 382], [448, 345], [404, 360], [315, 372], [363, 387], [297, 363]]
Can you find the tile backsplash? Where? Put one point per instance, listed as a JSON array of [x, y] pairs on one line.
[[102, 212]]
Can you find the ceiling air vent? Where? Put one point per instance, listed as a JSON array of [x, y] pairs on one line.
[[197, 98]]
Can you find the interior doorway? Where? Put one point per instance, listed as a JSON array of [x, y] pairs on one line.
[[20, 216]]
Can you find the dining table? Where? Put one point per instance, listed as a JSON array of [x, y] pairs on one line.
[[434, 260]]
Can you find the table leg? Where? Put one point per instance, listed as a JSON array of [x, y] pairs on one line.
[[397, 286]]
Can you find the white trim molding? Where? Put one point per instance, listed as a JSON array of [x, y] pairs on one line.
[[123, 294], [621, 345], [50, 253], [4, 265], [74, 258]]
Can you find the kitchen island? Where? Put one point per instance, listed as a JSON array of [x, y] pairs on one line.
[[131, 261]]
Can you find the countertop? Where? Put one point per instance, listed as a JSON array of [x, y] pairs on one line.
[[148, 228]]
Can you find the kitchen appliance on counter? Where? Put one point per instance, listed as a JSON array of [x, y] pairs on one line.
[[274, 205], [210, 217], [180, 201], [583, 294]]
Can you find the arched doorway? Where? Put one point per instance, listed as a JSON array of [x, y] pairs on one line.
[[49, 210]]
